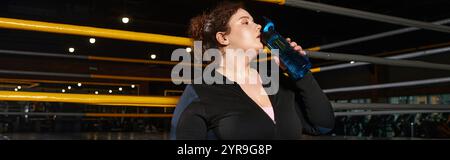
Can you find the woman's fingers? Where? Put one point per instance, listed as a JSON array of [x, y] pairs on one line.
[[293, 44], [303, 53], [296, 47]]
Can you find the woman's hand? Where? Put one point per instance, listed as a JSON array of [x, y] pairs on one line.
[[296, 47]]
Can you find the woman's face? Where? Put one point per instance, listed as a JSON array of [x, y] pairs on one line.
[[244, 33]]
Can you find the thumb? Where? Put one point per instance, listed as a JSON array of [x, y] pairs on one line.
[[277, 61]]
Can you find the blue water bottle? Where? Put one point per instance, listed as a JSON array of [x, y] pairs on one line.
[[296, 64]]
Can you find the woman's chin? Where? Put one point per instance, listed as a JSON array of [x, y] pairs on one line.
[[255, 49], [259, 47]]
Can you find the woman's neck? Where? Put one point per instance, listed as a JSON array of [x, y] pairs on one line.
[[236, 67]]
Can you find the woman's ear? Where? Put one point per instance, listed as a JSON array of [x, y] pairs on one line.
[[222, 38]]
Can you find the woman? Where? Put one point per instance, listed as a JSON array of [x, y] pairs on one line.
[[243, 110]]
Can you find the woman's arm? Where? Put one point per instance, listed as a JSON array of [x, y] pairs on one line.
[[191, 125], [315, 109], [188, 120]]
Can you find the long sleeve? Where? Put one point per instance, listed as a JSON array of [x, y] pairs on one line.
[[315, 109], [188, 120], [191, 124]]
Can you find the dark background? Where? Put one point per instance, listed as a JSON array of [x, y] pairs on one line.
[[308, 28]]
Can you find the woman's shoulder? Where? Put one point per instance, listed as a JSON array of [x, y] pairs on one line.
[[204, 99]]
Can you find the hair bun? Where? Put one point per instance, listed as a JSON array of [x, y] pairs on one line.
[[205, 26], [197, 26]]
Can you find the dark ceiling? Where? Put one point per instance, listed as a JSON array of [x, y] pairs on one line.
[[310, 28]]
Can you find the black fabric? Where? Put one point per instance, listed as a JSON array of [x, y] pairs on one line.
[[224, 111]]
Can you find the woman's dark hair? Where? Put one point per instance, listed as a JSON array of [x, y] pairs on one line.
[[205, 26]]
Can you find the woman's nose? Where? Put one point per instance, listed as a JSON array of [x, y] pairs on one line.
[[258, 27]]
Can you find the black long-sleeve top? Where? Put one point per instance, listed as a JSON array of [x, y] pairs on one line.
[[224, 111]]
